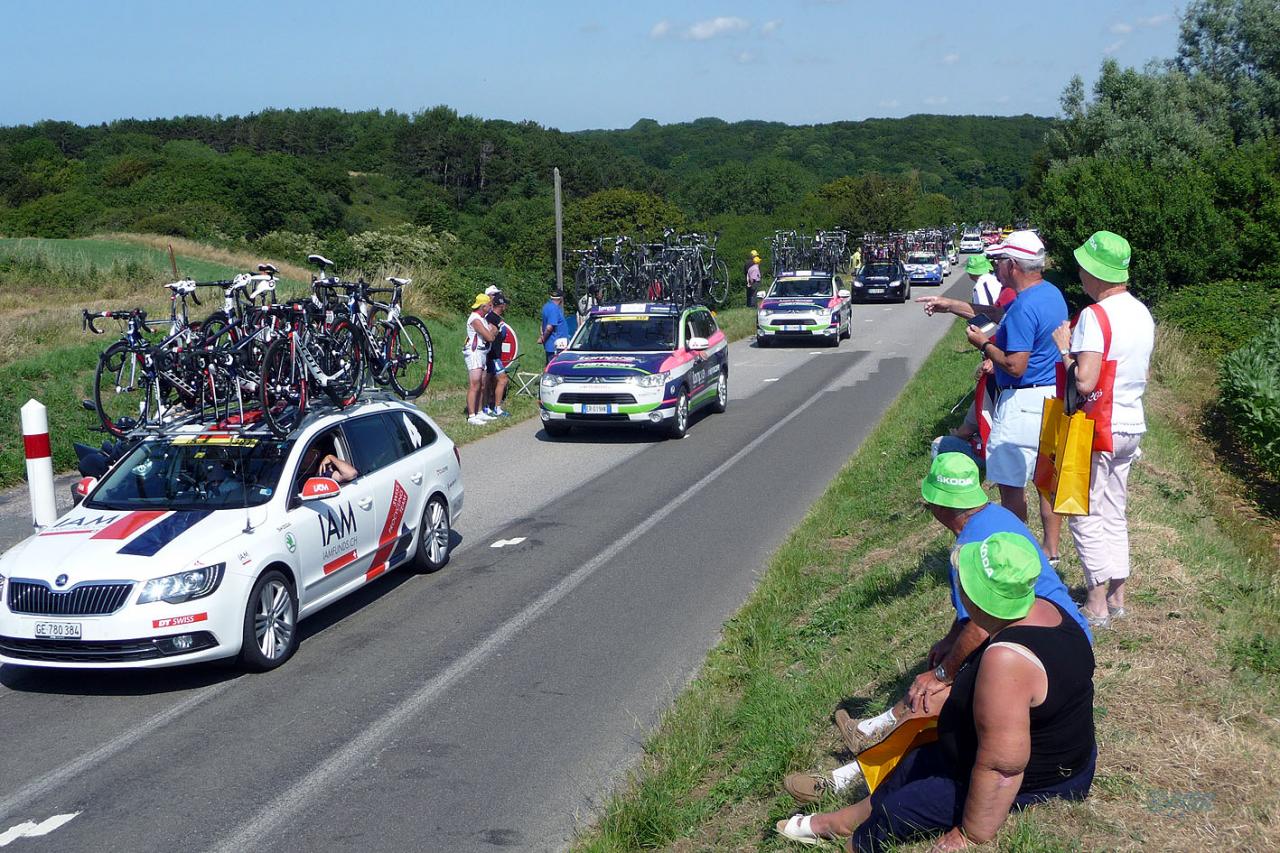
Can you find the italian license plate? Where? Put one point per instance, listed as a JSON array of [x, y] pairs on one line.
[[791, 327], [596, 408], [875, 290], [58, 630]]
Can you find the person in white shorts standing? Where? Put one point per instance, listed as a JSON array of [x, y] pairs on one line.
[[1117, 328], [1024, 355], [474, 351]]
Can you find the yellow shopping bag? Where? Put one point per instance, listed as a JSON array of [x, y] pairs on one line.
[[1052, 424], [878, 761], [1074, 465]]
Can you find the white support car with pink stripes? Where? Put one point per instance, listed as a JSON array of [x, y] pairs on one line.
[[208, 543]]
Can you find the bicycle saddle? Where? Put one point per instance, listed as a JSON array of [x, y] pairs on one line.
[[319, 260], [270, 269], [399, 282]]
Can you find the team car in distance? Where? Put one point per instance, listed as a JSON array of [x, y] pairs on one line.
[[971, 242], [644, 363], [882, 281], [804, 304], [924, 268], [204, 543]]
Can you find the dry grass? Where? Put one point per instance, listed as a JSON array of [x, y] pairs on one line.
[[204, 252]]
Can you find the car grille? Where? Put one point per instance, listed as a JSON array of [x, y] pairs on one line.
[[99, 651], [91, 599], [615, 399], [574, 416], [788, 320]]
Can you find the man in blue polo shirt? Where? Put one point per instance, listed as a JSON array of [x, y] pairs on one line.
[[1024, 355]]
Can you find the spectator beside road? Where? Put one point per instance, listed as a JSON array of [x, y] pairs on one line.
[[987, 289], [495, 392], [1024, 356], [1102, 536], [555, 326], [1017, 728], [753, 279], [475, 351], [952, 492]]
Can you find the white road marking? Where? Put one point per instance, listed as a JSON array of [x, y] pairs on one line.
[[774, 379], [502, 543], [817, 352], [347, 762], [72, 769], [31, 829]]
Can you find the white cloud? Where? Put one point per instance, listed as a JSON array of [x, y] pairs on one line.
[[768, 28], [1112, 48], [712, 27], [744, 57], [660, 29], [1123, 28], [1120, 28], [890, 104], [1155, 21], [951, 59], [936, 100]]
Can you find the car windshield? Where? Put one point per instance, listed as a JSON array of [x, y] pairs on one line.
[[792, 287], [626, 333], [878, 271], [194, 472], [922, 258]]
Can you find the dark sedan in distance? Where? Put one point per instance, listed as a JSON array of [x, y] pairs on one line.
[[881, 281]]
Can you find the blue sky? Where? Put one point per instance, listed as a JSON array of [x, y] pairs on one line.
[[564, 63]]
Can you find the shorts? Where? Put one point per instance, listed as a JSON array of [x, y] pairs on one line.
[[475, 358], [1015, 435]]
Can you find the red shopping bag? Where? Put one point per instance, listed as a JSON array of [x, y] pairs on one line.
[[1097, 404]]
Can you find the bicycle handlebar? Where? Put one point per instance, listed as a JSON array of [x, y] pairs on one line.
[[87, 318]]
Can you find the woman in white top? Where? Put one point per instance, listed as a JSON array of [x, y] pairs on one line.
[[475, 350], [1102, 536]]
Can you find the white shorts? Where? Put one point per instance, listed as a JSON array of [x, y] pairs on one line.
[[1015, 435], [475, 358]]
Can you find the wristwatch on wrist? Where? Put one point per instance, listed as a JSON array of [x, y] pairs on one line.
[[983, 349], [940, 673]]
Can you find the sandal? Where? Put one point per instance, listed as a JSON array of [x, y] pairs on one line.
[[1117, 612], [1096, 621], [797, 829]]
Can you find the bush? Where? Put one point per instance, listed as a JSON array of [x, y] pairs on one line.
[[1250, 386], [527, 291], [1221, 316]]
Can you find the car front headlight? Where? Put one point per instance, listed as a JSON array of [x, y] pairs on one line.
[[823, 314], [551, 380], [184, 586], [762, 315], [653, 380]]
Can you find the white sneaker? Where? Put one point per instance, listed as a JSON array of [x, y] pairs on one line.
[[478, 420]]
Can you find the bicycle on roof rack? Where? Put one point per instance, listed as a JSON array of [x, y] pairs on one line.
[[679, 268]]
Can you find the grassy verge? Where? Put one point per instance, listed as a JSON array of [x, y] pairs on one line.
[[1187, 693]]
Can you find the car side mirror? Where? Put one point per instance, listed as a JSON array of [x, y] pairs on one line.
[[318, 488], [759, 294], [82, 488], [844, 294], [697, 344]]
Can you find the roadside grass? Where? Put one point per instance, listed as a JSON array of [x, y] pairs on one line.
[[1187, 694]]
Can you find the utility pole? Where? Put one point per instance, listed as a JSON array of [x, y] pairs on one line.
[[559, 235]]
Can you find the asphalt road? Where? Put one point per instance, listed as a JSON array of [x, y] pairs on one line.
[[497, 702]]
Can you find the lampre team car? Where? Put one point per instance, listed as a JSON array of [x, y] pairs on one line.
[[643, 363], [804, 304], [202, 544], [924, 268]]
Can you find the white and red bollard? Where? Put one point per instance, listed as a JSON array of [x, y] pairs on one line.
[[35, 438]]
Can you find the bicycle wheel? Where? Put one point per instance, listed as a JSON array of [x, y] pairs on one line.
[[283, 389], [410, 357], [121, 391], [342, 360], [719, 290]]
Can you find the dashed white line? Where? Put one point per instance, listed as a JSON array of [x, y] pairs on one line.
[[502, 543], [774, 379], [31, 829]]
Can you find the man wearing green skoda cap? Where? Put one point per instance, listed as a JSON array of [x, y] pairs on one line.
[[998, 575], [1116, 331], [987, 289], [952, 492]]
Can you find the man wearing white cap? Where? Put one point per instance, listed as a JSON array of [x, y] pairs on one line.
[[1024, 355]]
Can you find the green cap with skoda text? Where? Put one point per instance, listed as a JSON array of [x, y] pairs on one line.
[[999, 574], [1105, 256], [953, 481]]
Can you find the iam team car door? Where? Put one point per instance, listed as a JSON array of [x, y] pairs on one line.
[[699, 324], [380, 443], [332, 537]]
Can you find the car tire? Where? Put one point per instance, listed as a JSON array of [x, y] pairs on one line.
[[678, 425], [762, 343], [721, 402], [270, 631], [556, 429], [906, 293], [434, 532]]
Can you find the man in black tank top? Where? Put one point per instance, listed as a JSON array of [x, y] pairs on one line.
[[1028, 688]]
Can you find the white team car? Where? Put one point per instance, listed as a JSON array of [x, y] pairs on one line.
[[204, 543], [971, 242]]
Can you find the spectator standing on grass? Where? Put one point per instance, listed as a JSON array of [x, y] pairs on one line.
[[753, 279], [952, 492], [1119, 328], [1024, 357], [1017, 728], [475, 350], [555, 326], [495, 375], [987, 289]]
